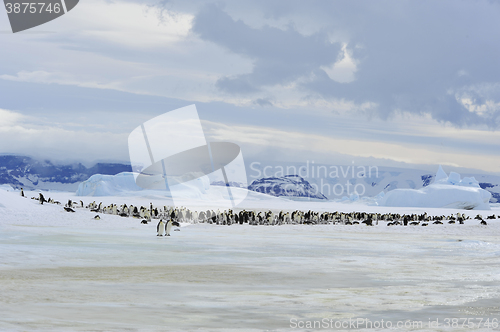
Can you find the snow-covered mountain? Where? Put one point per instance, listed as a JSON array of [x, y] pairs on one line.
[[25, 172], [289, 186]]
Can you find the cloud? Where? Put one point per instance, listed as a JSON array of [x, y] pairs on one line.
[[132, 24], [263, 102], [45, 77], [137, 49], [482, 100], [9, 118], [279, 56], [300, 146], [400, 74], [344, 69], [402, 56], [33, 136]]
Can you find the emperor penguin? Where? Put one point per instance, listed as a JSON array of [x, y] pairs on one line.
[[168, 227], [160, 229], [41, 199]]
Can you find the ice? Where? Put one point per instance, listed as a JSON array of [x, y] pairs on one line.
[[66, 271], [436, 196], [454, 178], [108, 185], [440, 175], [446, 191], [469, 182]]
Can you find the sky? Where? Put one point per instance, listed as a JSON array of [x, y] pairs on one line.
[[386, 83]]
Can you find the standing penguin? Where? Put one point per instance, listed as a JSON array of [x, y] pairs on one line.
[[41, 199], [22, 192], [160, 229], [169, 227]]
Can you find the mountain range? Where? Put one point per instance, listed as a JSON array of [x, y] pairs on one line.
[[28, 173], [311, 181]]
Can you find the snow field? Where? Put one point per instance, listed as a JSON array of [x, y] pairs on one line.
[[64, 271]]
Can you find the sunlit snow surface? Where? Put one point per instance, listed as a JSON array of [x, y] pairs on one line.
[[65, 271]]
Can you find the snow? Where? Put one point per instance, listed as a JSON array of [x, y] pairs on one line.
[[5, 187], [66, 271], [446, 191], [62, 271]]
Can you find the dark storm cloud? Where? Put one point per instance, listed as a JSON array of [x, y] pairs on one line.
[[419, 57], [280, 56]]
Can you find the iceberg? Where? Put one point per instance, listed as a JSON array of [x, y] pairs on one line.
[[108, 185], [445, 192]]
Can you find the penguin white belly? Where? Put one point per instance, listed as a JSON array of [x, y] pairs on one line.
[[161, 228], [168, 228]]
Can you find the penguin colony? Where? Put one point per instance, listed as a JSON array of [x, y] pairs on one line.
[[229, 217]]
